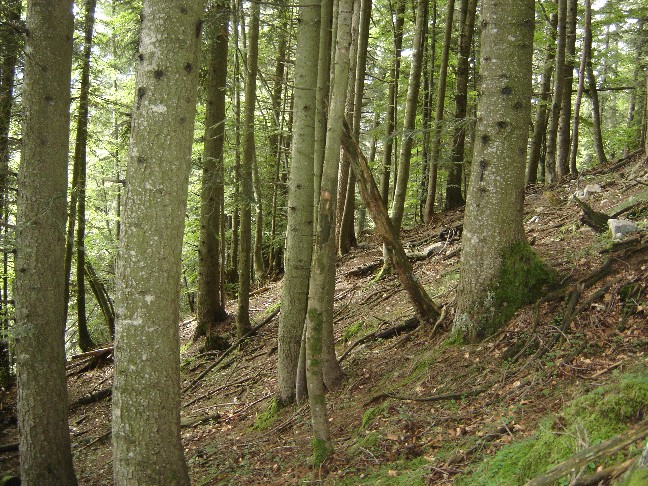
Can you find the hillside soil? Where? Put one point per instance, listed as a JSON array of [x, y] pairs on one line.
[[411, 401]]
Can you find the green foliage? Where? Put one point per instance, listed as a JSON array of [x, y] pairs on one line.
[[370, 415], [352, 330], [638, 477], [402, 472], [594, 417], [265, 419]]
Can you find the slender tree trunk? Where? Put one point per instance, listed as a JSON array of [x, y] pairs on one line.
[[243, 325], [11, 41], [259, 264], [573, 152], [209, 307], [559, 83], [409, 123], [299, 233], [236, 217], [454, 195], [103, 298], [147, 447], [45, 454], [322, 278], [593, 92], [540, 125], [564, 138], [435, 149], [493, 218]]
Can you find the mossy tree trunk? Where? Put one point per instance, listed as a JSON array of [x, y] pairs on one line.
[[147, 447], [493, 219], [45, 454], [322, 279], [299, 233]]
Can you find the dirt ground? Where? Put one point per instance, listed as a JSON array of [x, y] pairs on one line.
[[411, 399]]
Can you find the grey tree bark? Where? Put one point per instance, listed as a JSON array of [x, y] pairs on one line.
[[243, 325], [564, 136], [322, 278], [435, 149], [493, 218], [45, 454], [209, 308], [299, 233], [147, 447]]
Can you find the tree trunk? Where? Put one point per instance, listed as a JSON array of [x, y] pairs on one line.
[[409, 127], [593, 92], [299, 233], [493, 218], [454, 196], [435, 149], [540, 125], [12, 42], [147, 447], [559, 83], [103, 298], [45, 455], [585, 54], [322, 278], [209, 308], [426, 310], [564, 138], [392, 100], [247, 191]]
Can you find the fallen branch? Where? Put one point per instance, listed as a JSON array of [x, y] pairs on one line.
[[229, 350], [591, 454], [408, 325], [94, 352], [434, 398], [594, 219], [606, 474], [92, 397]]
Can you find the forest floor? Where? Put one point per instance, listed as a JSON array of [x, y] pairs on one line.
[[413, 409]]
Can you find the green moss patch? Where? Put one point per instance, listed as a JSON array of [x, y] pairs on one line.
[[590, 419], [266, 418]]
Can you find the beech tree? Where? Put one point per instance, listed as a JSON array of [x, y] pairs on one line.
[[146, 392], [498, 267], [45, 454]]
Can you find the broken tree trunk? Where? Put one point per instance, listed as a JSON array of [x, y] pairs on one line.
[[426, 310], [594, 219]]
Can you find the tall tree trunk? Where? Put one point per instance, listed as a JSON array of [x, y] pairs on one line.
[[322, 278], [209, 307], [559, 83], [592, 91], [540, 125], [80, 163], [243, 325], [392, 100], [299, 233], [493, 218], [347, 226], [45, 454], [454, 196], [146, 442], [573, 152], [409, 125], [236, 216], [564, 138], [435, 149], [259, 264], [103, 298], [11, 41]]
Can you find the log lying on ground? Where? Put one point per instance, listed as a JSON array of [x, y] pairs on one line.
[[426, 310], [593, 453], [594, 219]]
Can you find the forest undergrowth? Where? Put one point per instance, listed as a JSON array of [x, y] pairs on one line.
[[565, 374]]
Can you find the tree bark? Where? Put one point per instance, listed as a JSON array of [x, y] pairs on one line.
[[209, 309], [454, 196], [299, 233], [147, 447], [540, 125], [559, 83], [247, 190], [493, 218], [438, 118], [45, 454], [564, 138]]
